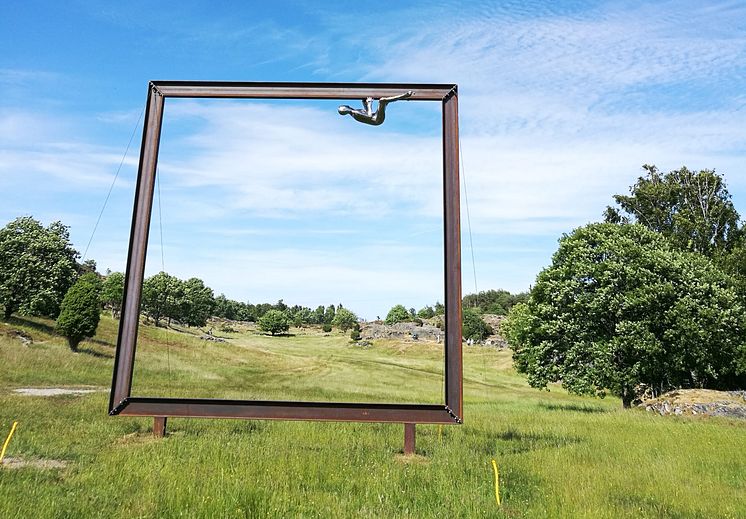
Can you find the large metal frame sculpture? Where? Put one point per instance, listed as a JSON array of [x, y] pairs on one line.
[[121, 400]]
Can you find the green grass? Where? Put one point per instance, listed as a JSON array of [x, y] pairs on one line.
[[559, 455]]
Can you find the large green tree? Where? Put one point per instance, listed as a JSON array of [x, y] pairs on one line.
[[37, 266], [620, 310], [692, 209], [80, 310]]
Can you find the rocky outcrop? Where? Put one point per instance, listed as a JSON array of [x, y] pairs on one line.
[[728, 404], [406, 331]]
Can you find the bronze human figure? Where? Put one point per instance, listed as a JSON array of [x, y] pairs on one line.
[[367, 115]]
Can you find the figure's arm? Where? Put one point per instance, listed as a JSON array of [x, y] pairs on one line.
[[368, 106], [405, 95]]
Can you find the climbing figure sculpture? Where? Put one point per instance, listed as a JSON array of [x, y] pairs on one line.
[[367, 115]]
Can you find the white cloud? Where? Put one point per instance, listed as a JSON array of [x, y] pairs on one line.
[[280, 159], [43, 146]]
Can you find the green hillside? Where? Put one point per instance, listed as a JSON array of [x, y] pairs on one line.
[[559, 455]]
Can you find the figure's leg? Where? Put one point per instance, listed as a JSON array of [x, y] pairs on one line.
[[405, 95]]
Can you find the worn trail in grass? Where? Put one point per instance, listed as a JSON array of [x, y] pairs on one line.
[[559, 455]]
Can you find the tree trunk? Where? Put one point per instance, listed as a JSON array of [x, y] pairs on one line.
[[8, 311], [627, 397], [73, 343]]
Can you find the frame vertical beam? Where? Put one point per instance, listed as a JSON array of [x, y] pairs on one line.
[[129, 320], [452, 253]]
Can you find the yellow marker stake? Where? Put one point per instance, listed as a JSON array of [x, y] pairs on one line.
[[497, 482], [7, 440]]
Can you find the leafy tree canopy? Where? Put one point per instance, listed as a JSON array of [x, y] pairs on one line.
[[197, 304], [473, 326], [161, 294], [344, 319], [80, 310], [622, 311], [274, 322], [493, 301], [397, 314], [37, 266], [112, 292], [692, 209], [426, 312]]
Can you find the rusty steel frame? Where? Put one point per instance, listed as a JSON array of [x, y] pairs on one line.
[[122, 403]]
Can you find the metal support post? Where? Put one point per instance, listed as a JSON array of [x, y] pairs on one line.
[[409, 438], [159, 426]]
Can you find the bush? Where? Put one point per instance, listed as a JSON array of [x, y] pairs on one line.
[[326, 327], [227, 328], [474, 327], [355, 333], [418, 321], [274, 322], [80, 310], [397, 314]]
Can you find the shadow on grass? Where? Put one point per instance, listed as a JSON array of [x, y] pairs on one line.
[[514, 441], [18, 320], [94, 353], [579, 408], [101, 342]]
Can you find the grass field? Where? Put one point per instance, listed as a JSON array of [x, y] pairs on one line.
[[559, 455]]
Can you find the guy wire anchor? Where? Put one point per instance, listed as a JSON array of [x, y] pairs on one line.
[[367, 115]]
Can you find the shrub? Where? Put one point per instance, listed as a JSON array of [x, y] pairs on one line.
[[80, 310], [327, 327]]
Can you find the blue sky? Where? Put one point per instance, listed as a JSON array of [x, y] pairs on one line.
[[560, 105]]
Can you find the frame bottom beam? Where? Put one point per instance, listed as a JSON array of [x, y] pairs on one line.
[[273, 410]]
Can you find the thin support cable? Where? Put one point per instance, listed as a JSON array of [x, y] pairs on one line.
[[471, 246], [163, 266], [468, 216], [111, 187]]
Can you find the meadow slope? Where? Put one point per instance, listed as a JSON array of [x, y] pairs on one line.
[[559, 455]]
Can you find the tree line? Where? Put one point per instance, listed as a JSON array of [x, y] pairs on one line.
[[40, 275], [651, 299]]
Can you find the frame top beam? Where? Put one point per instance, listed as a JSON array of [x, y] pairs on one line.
[[258, 90]]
